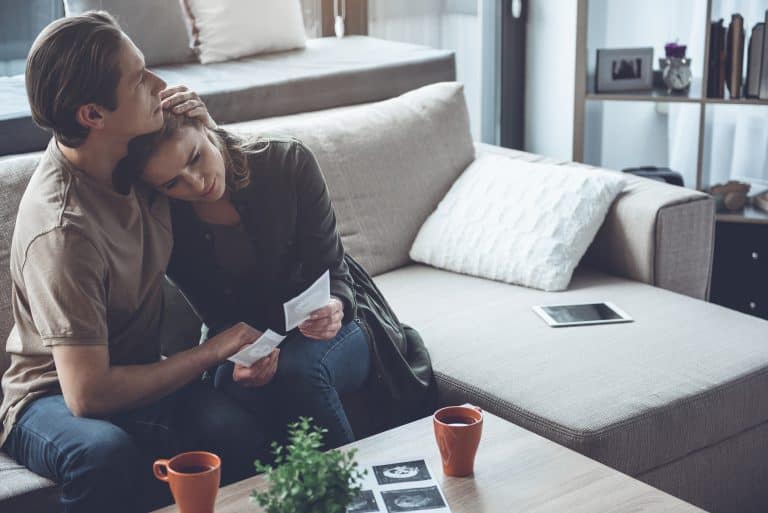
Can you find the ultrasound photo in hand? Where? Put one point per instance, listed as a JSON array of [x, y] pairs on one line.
[[401, 472], [413, 499], [365, 502]]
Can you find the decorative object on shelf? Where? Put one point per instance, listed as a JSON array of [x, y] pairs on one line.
[[716, 72], [339, 15], [624, 69], [307, 479], [754, 61], [764, 65], [730, 197], [676, 68], [734, 56], [661, 174], [760, 201]]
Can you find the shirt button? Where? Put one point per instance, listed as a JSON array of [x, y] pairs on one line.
[[207, 236]]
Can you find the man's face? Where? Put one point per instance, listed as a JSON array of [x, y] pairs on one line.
[[138, 96]]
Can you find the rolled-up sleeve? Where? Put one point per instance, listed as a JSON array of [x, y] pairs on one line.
[[64, 279]]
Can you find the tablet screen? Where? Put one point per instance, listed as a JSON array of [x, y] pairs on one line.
[[581, 313]]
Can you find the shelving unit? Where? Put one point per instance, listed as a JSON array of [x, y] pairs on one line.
[[584, 93]]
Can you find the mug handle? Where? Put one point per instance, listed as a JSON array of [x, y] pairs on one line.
[[160, 469]]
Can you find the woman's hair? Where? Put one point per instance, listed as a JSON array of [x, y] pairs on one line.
[[234, 150], [74, 61]]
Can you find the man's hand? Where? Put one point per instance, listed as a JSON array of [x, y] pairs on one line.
[[258, 374], [180, 100], [325, 322], [232, 340]]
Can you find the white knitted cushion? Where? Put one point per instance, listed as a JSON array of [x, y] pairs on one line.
[[517, 222]]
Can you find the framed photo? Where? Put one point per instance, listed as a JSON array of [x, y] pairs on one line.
[[624, 69]]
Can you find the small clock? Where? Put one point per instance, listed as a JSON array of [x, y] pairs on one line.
[[676, 72]]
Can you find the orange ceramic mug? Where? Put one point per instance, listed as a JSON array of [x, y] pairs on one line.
[[457, 431], [194, 479]]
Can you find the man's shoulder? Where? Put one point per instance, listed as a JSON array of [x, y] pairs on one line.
[[44, 200], [46, 209]]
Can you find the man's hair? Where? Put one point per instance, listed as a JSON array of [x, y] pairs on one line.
[[74, 61]]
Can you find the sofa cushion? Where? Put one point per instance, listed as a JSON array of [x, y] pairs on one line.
[[387, 165], [519, 222], [230, 29], [685, 375], [159, 29], [22, 490], [656, 233], [329, 72]]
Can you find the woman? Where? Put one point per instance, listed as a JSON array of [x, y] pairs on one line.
[[253, 227]]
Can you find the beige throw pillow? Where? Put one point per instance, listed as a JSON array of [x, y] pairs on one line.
[[230, 29]]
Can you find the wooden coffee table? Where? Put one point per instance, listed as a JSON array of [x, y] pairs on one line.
[[515, 470]]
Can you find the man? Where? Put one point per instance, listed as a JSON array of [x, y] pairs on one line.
[[88, 401]]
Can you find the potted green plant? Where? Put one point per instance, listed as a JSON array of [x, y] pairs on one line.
[[305, 479]]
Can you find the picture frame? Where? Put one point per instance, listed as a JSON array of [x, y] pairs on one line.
[[624, 69]]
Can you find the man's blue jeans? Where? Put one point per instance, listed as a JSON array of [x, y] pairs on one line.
[[311, 376], [106, 465]]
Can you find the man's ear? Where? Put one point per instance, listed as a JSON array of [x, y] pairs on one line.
[[90, 116]]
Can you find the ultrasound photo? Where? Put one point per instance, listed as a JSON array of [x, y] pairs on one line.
[[413, 499], [365, 502], [401, 472]]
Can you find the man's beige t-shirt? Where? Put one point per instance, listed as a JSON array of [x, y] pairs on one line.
[[87, 266]]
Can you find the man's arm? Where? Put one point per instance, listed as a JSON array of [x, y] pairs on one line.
[[64, 280], [93, 388]]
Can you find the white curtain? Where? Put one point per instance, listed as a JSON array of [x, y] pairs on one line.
[[436, 24], [736, 145], [418, 22], [311, 10]]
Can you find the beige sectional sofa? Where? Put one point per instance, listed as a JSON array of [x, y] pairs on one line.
[[676, 399]]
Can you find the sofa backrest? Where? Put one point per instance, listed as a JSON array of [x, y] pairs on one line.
[[387, 164], [15, 172]]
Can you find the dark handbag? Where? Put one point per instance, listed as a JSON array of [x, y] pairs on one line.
[[662, 174]]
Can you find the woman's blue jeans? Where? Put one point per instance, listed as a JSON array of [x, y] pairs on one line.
[[311, 376]]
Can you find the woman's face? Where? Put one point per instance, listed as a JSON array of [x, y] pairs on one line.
[[188, 167]]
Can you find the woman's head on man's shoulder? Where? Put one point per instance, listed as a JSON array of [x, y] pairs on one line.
[[187, 160]]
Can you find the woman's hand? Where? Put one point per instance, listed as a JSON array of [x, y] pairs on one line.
[[180, 100], [325, 322], [258, 374]]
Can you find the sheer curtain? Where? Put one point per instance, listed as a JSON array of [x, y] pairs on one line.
[[311, 10], [451, 25], [417, 22], [736, 144]]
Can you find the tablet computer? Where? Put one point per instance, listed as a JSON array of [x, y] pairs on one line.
[[581, 315]]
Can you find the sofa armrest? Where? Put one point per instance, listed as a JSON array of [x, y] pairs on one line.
[[654, 233], [658, 234]]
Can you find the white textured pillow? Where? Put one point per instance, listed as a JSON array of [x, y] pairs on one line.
[[518, 222], [229, 29]]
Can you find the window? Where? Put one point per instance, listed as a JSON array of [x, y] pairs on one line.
[[20, 22]]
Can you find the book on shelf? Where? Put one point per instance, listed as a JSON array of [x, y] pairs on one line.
[[754, 61], [734, 56], [716, 76], [764, 66]]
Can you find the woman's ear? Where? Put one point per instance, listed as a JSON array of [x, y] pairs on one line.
[[90, 116]]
